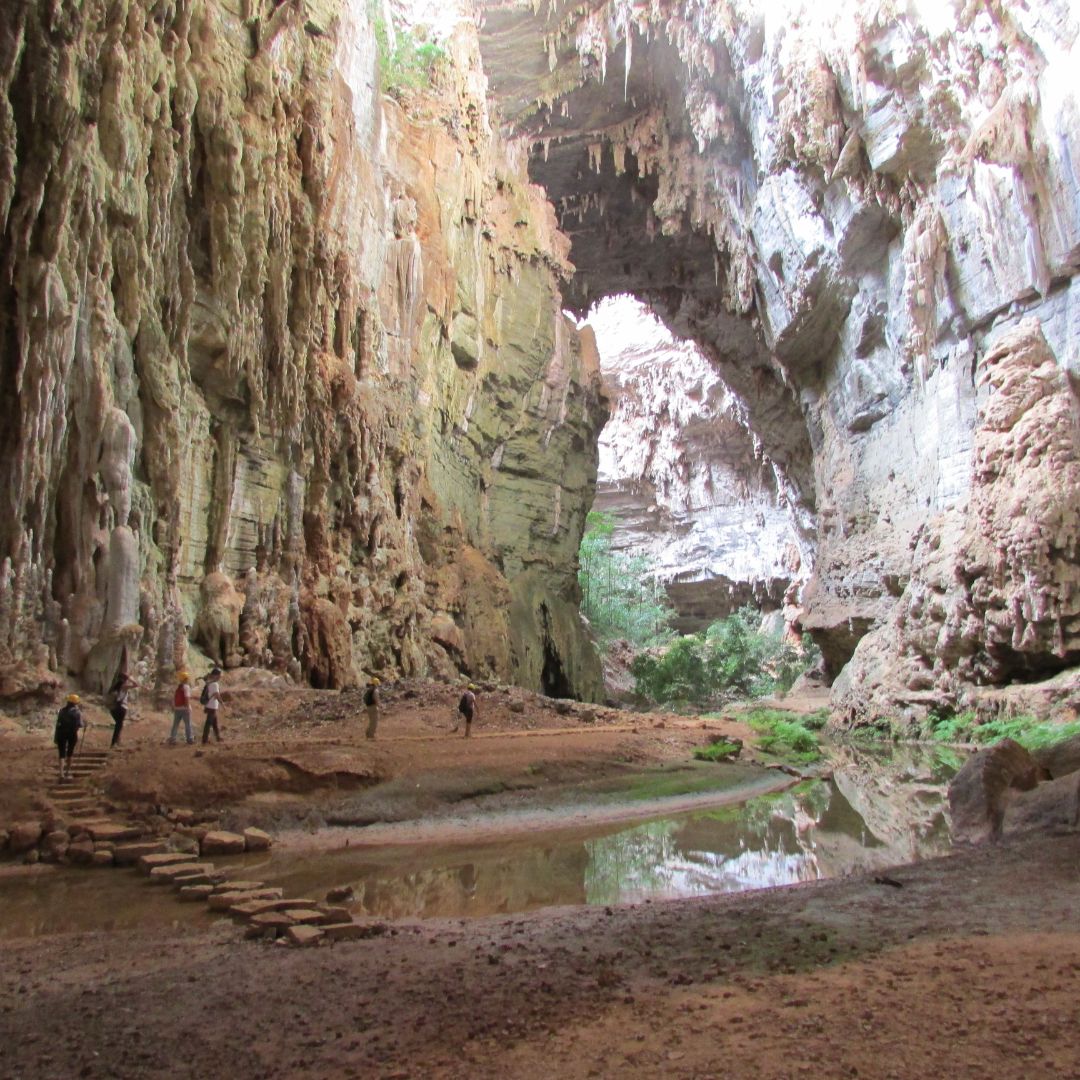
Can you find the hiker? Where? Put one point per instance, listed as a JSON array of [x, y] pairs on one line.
[[371, 704], [122, 685], [210, 699], [182, 709], [467, 708], [68, 721]]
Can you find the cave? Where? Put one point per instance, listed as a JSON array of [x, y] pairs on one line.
[[343, 334]]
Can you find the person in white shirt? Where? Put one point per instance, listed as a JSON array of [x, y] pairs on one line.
[[211, 701]]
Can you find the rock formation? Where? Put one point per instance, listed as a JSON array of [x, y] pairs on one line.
[[285, 374], [684, 478], [859, 215]]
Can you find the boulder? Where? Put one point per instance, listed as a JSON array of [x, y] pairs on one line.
[[102, 858], [81, 852], [57, 842], [981, 790], [339, 893], [1052, 805], [256, 840], [516, 706], [219, 842], [1060, 759], [24, 835]]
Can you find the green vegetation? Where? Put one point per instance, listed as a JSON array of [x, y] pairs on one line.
[[733, 658], [716, 751], [406, 59], [788, 735], [1028, 731], [620, 595]]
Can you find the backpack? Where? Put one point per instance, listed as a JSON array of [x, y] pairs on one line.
[[68, 721], [465, 704], [369, 696], [204, 697]]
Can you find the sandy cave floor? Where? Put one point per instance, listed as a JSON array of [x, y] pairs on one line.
[[970, 969]]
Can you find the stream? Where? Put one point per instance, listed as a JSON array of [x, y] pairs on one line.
[[882, 806]]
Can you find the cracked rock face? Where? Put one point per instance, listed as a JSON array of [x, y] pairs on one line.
[[285, 375], [853, 212], [685, 480]]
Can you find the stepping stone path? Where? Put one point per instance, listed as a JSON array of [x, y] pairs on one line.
[[78, 830]]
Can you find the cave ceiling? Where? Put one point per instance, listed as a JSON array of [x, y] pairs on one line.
[[617, 153]]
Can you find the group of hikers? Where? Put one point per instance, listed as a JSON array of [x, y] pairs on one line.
[[372, 700], [69, 721]]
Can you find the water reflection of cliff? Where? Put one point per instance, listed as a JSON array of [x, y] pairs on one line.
[[880, 809]]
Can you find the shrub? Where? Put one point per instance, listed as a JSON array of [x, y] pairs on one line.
[[1028, 731], [406, 59], [784, 734], [733, 658], [716, 751]]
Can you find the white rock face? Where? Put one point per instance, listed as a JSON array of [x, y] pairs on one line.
[[683, 477]]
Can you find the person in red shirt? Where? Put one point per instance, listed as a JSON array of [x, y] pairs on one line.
[[181, 708]]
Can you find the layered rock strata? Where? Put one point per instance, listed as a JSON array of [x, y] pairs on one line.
[[855, 213], [285, 375], [684, 479]]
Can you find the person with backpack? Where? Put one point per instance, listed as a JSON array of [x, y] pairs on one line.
[[371, 704], [122, 685], [467, 709], [181, 709], [68, 722], [210, 700]]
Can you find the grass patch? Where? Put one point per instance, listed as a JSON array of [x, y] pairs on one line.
[[716, 751], [1028, 731], [785, 734]]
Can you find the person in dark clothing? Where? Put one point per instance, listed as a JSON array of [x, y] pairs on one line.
[[210, 699], [371, 706], [68, 722], [122, 685], [467, 709]]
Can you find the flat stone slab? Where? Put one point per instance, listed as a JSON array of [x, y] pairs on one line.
[[272, 920], [154, 860], [196, 877], [164, 875], [113, 831], [303, 935], [219, 842], [102, 858], [306, 916], [240, 886], [224, 901], [333, 914], [256, 840], [261, 907], [195, 892]]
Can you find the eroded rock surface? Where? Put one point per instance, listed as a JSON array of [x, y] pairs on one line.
[[859, 215], [284, 368]]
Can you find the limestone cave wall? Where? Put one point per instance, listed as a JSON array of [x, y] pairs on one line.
[[285, 379], [868, 216]]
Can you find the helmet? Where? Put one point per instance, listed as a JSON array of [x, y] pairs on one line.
[[472, 686], [182, 676], [73, 699], [374, 681]]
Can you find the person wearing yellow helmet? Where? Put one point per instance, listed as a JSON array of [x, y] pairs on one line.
[[371, 705], [467, 709], [66, 734], [181, 708]]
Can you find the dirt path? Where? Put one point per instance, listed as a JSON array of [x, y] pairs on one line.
[[970, 969]]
